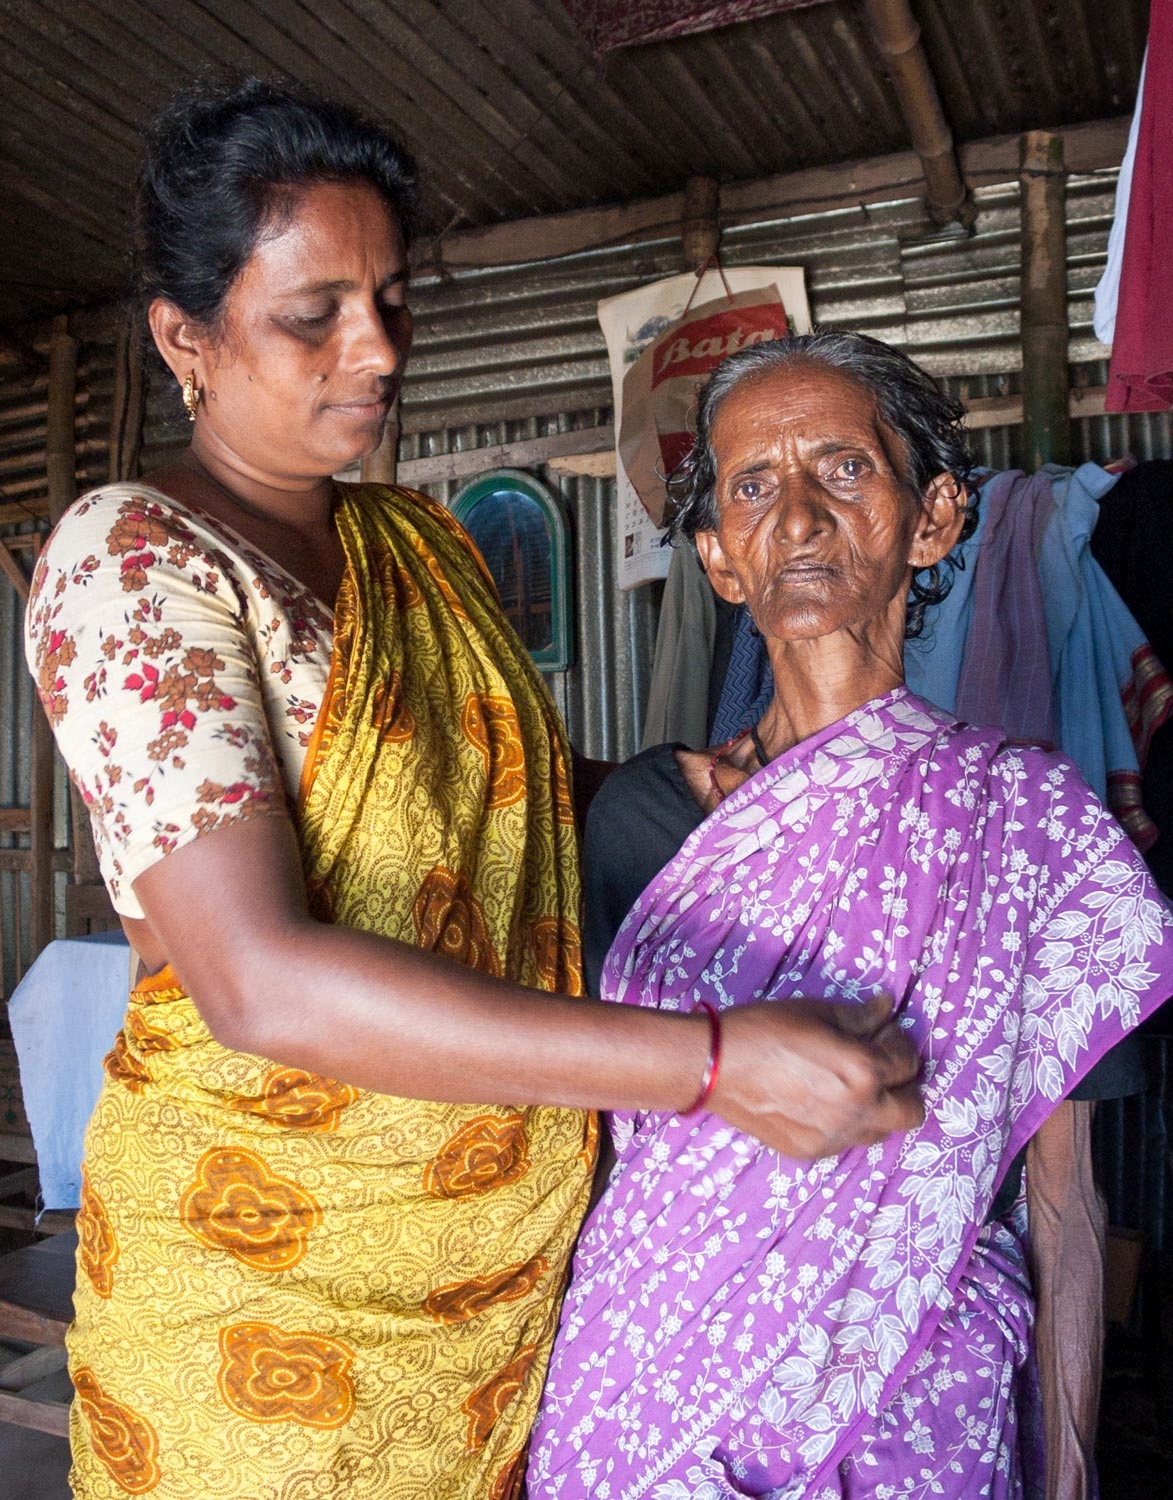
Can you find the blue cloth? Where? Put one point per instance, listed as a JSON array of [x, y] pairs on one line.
[[932, 660], [1090, 633], [749, 682], [65, 1014]]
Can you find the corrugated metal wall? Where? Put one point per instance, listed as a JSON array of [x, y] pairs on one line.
[[516, 351]]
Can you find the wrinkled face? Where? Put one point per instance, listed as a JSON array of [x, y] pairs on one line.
[[817, 524], [315, 335]]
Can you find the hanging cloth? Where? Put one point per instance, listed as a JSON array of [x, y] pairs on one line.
[[1141, 374], [1108, 286]]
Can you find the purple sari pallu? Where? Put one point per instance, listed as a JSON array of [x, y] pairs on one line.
[[741, 1324]]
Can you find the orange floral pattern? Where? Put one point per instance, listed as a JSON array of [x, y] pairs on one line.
[[238, 1205], [507, 1485], [268, 1375], [123, 1067], [390, 713], [486, 1404], [298, 1100], [450, 920], [465, 1300], [488, 1152], [491, 725], [124, 1441], [148, 1037], [97, 1244], [563, 798], [557, 946]]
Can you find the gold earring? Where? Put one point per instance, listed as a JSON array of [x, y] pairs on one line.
[[191, 396]]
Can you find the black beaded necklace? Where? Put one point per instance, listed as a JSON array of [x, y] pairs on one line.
[[758, 748]]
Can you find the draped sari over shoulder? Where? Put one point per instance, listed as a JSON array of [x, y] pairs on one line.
[[742, 1324], [292, 1288]]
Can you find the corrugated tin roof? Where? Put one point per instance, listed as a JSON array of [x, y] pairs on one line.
[[508, 110]]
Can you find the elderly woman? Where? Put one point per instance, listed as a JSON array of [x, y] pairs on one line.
[[330, 799], [739, 1323]]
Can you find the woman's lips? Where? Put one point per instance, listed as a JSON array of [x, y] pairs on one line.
[[365, 409]]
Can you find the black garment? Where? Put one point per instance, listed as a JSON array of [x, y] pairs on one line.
[[638, 820], [1133, 543]]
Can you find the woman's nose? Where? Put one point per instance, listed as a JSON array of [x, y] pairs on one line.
[[800, 513], [382, 339]]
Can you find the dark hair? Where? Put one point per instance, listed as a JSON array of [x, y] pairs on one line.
[[221, 157], [917, 408]]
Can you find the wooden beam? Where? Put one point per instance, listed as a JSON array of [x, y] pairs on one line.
[[1091, 147], [586, 465], [42, 1416], [128, 405], [27, 1369], [17, 1148], [41, 832], [15, 820], [60, 414], [982, 412], [13, 571], [526, 454]]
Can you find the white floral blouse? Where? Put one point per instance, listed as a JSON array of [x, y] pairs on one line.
[[181, 670]]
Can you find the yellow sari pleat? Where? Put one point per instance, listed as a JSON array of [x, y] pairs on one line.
[[289, 1287]]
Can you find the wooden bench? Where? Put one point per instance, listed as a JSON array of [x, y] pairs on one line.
[[36, 1307]]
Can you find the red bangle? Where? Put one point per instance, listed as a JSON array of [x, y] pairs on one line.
[[713, 1065]]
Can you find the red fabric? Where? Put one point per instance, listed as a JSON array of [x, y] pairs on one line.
[[608, 24], [1141, 375]]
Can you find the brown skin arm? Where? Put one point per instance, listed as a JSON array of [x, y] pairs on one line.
[[228, 912], [1067, 1265]]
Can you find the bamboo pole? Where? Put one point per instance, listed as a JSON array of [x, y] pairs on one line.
[[1046, 426], [379, 467], [128, 406], [700, 228], [898, 38], [60, 454], [40, 833]]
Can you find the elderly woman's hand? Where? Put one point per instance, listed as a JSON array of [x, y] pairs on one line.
[[811, 1078]]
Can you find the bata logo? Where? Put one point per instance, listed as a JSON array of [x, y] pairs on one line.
[[700, 349]]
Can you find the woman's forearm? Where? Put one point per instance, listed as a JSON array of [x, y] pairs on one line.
[[387, 1016], [229, 913]]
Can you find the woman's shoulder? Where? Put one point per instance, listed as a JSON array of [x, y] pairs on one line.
[[125, 528]]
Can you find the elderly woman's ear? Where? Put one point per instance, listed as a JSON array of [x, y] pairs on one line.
[[724, 580], [943, 508]]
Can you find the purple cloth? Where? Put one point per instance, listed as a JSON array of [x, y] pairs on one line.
[[1006, 671], [741, 1324]]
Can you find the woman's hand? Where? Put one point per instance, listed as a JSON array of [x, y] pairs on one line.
[[811, 1078]]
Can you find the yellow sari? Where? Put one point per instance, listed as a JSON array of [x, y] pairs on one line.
[[290, 1288]]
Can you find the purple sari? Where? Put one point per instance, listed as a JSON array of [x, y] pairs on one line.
[[742, 1324]]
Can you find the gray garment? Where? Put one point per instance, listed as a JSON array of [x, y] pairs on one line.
[[678, 700]]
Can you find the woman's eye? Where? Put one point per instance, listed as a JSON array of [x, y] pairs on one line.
[[851, 468], [748, 489]]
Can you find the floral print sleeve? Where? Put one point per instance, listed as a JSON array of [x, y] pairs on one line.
[[148, 649]]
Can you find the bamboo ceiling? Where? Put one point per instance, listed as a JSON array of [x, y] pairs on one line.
[[507, 109]]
